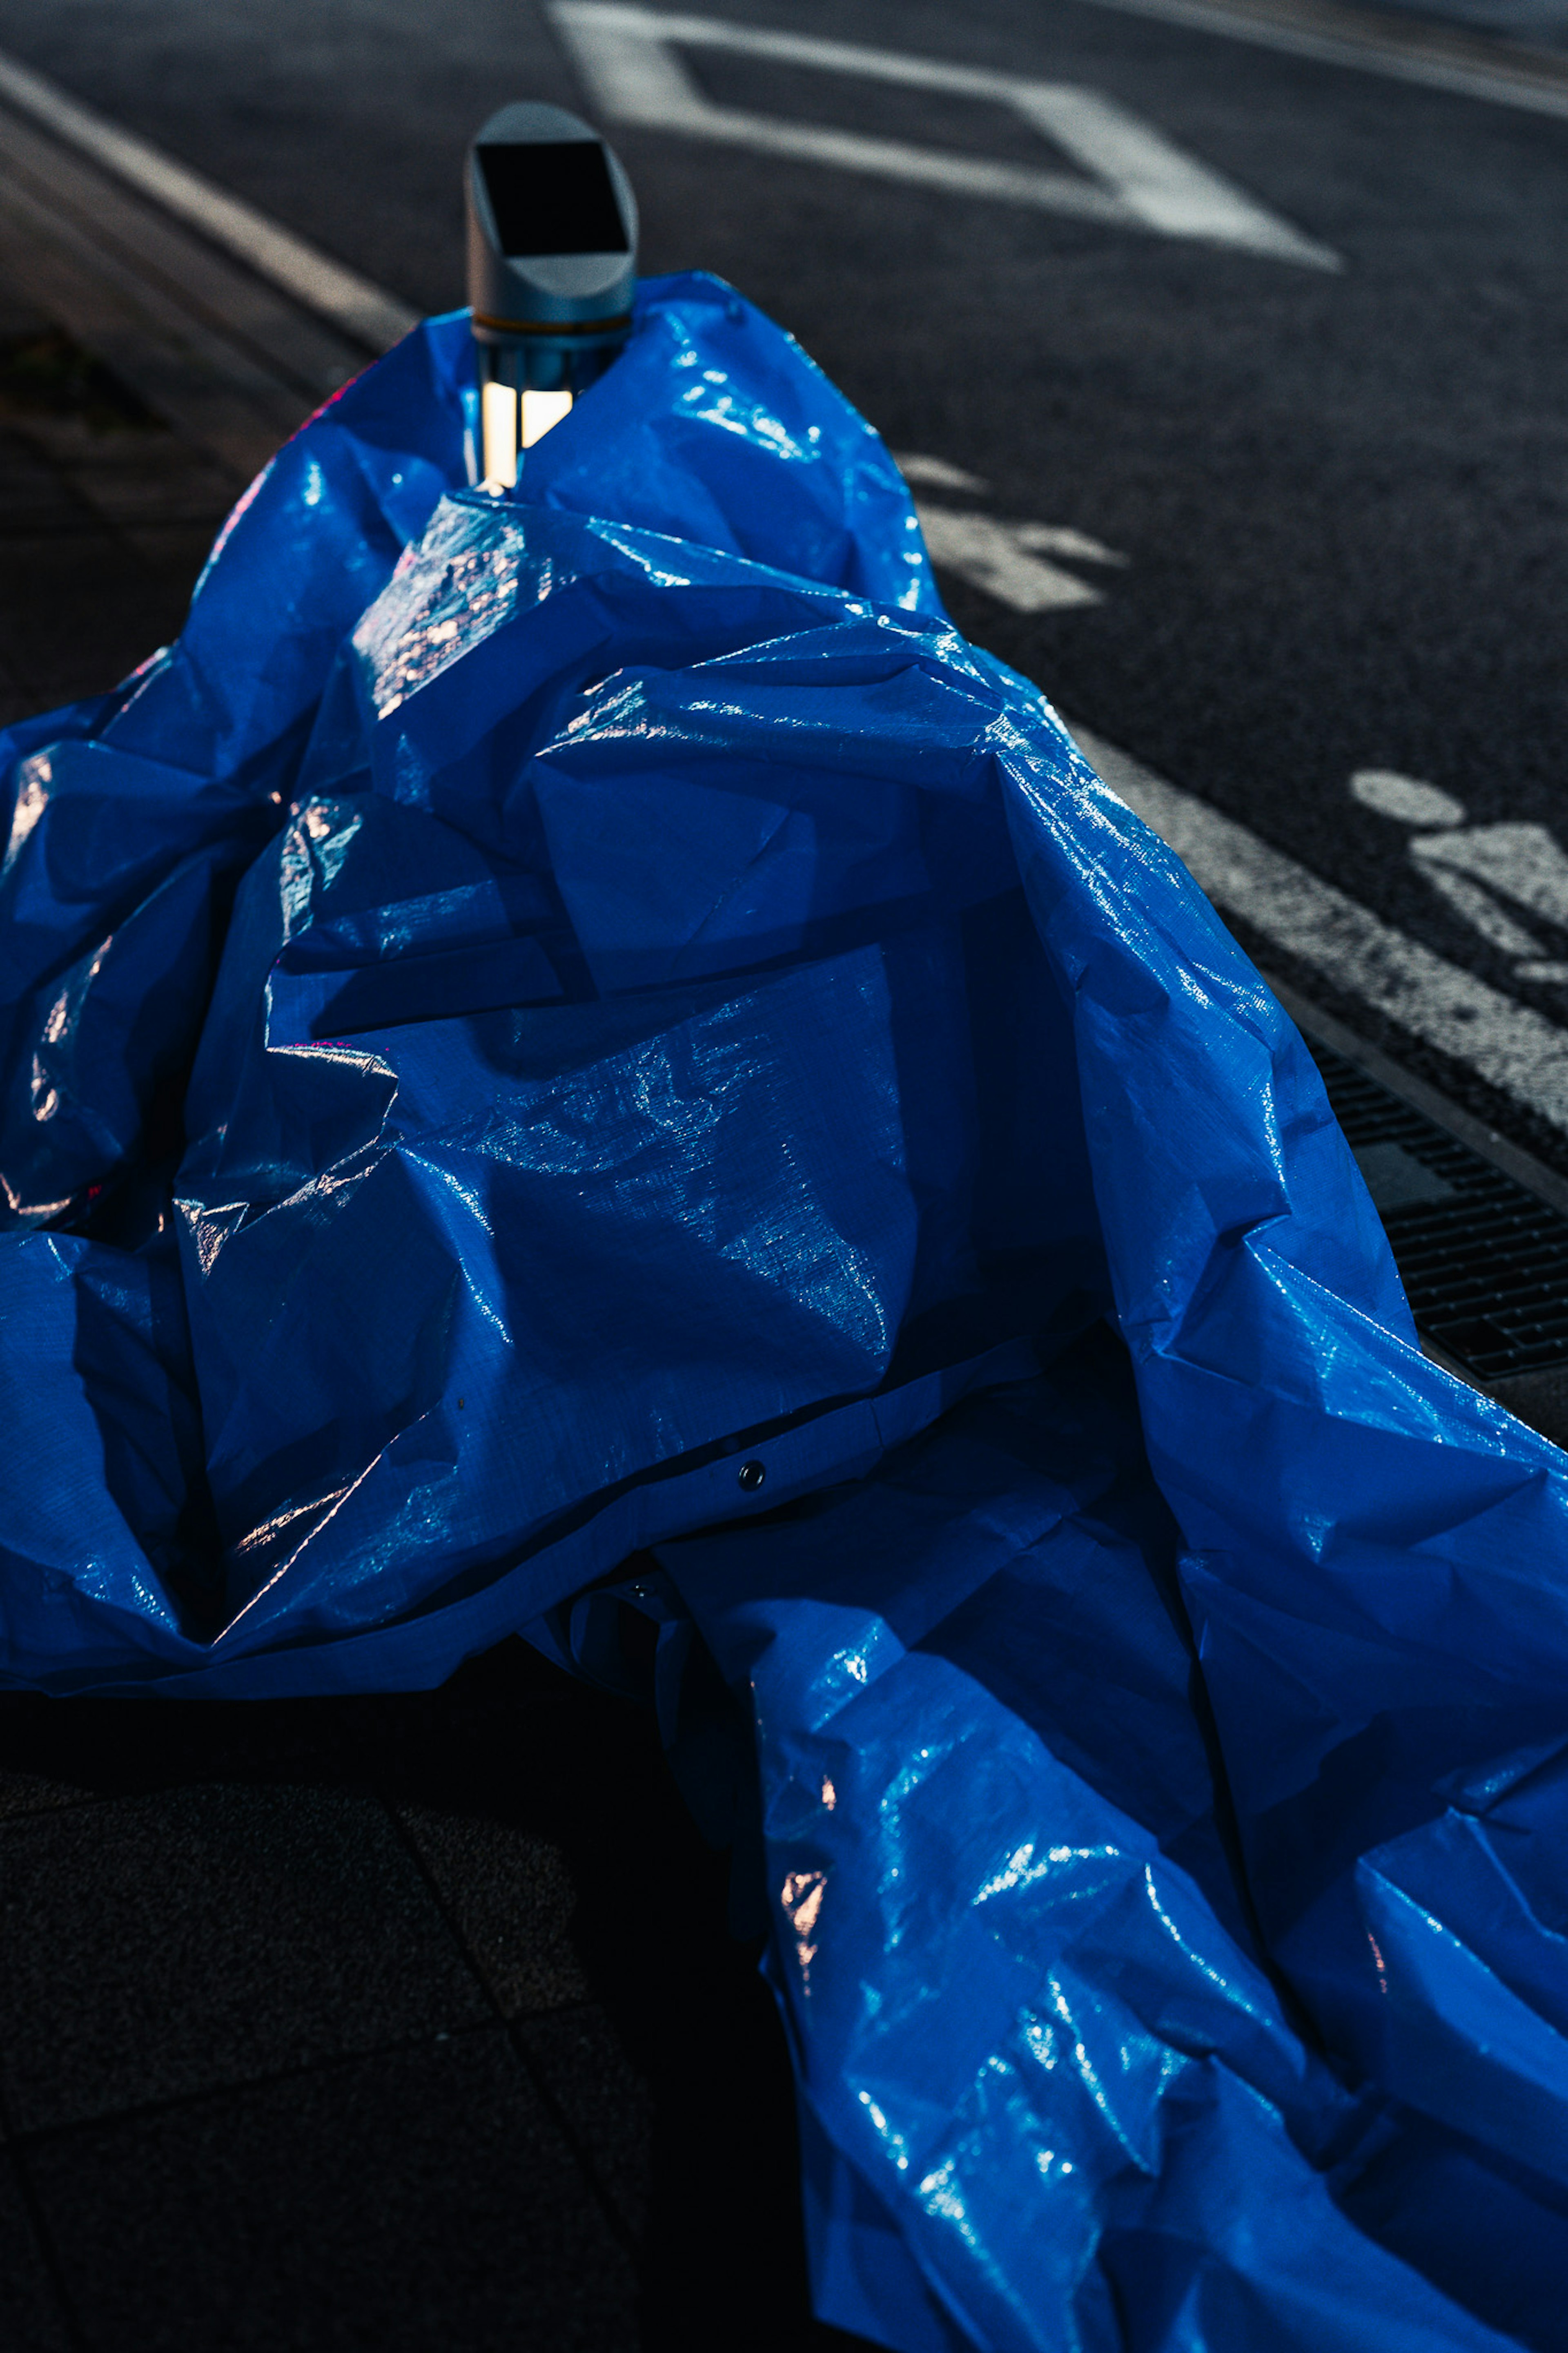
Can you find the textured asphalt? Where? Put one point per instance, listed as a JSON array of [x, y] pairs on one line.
[[1342, 497]]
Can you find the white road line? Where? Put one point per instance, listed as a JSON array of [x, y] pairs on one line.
[[1399, 55], [372, 317], [1007, 560], [1004, 559], [1138, 179], [936, 474], [1509, 1044]]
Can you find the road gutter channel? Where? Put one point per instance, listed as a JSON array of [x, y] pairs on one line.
[[187, 332]]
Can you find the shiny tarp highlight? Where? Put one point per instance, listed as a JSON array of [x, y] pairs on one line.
[[591, 1024]]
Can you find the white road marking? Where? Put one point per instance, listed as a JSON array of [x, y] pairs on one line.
[[1423, 54], [1004, 559], [1472, 866], [1522, 862], [628, 57], [1481, 910], [1409, 799], [1505, 1042], [1008, 559], [368, 313], [935, 473]]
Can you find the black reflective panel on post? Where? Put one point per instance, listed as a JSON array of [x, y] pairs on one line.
[[553, 199]]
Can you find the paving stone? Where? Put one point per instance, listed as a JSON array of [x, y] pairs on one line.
[[512, 1899], [175, 553], [31, 2320], [106, 518], [79, 611], [156, 1946], [132, 475], [417, 2202], [18, 318], [579, 2057], [34, 1793], [34, 496]]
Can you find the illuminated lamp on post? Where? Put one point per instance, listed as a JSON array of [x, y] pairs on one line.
[[553, 250]]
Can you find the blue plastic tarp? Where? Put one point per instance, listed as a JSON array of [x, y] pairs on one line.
[[590, 1023]]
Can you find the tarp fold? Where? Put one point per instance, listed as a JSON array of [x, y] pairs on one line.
[[581, 1052]]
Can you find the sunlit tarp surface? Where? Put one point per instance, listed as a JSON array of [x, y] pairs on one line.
[[591, 1023]]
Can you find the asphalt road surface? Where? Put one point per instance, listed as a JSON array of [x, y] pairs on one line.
[[1233, 381]]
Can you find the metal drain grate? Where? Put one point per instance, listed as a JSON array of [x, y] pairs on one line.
[[1484, 1262]]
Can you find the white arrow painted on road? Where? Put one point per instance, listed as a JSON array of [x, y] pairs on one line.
[[1007, 560], [629, 59]]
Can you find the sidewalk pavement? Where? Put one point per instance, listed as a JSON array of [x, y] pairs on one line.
[[396, 2022], [401, 2022], [105, 518], [408, 2023]]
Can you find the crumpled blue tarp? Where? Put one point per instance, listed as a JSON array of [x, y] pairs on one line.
[[592, 1024]]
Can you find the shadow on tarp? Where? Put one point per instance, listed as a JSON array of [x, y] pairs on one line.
[[678, 1061]]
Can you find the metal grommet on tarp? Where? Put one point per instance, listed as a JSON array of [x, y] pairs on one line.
[[752, 1475]]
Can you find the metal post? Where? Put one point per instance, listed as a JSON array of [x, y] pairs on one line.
[[553, 236]]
